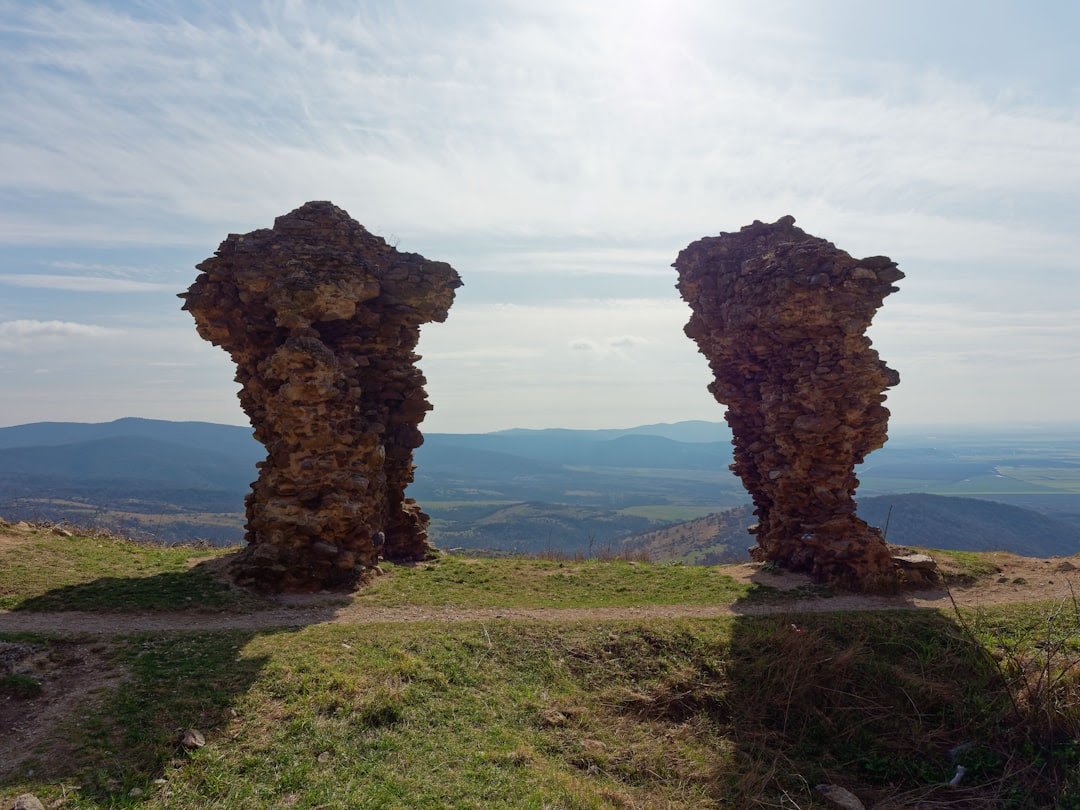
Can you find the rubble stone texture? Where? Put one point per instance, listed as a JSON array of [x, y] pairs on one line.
[[781, 316], [321, 318]]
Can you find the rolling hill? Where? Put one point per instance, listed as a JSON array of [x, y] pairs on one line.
[[230, 440], [131, 460], [913, 519], [555, 489]]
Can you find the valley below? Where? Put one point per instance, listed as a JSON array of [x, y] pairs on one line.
[[661, 492]]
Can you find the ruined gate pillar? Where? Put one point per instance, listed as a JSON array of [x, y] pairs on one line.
[[321, 318], [782, 317]]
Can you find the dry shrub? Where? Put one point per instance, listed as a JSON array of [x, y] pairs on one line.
[[676, 697]]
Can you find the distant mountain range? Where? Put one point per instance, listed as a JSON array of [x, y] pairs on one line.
[[227, 439], [534, 490]]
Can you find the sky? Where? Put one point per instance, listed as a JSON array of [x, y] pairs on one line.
[[559, 155]]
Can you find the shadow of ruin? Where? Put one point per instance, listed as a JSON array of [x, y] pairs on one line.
[[321, 318], [782, 317]]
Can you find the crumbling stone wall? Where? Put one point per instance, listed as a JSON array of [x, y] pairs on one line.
[[321, 318], [781, 316]]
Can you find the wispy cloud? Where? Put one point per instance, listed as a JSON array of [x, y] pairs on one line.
[[555, 151], [565, 122], [611, 345], [598, 359], [83, 283], [28, 336]]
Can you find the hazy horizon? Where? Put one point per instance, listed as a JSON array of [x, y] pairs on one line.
[[1018, 428]]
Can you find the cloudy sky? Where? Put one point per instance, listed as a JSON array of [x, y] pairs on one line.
[[558, 153]]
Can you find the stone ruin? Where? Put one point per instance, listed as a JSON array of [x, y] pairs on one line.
[[321, 318], [781, 316]]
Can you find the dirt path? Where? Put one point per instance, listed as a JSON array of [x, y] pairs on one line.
[[1020, 579]]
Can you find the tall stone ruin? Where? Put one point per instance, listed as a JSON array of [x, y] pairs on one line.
[[781, 316], [321, 318]]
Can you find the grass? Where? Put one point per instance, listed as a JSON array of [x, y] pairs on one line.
[[731, 713], [527, 582], [963, 567], [19, 686], [46, 571]]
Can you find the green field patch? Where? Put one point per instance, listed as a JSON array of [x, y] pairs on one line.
[[452, 581], [992, 485], [979, 485], [1064, 479]]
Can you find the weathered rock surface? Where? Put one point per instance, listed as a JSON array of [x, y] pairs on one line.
[[917, 569], [781, 316], [321, 318]]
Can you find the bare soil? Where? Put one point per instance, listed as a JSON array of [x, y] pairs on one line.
[[72, 675]]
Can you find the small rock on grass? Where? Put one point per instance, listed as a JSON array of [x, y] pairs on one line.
[[552, 718], [840, 797], [28, 801], [193, 738]]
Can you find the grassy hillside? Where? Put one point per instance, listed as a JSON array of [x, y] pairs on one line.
[[913, 519], [216, 438], [533, 528], [712, 539], [127, 460], [739, 711], [969, 523], [169, 481]]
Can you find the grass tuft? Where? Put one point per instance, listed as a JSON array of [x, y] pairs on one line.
[[20, 686]]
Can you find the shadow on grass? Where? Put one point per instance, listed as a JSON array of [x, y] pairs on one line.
[[137, 691], [886, 704], [199, 587], [121, 737]]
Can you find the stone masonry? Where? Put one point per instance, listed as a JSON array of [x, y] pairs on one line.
[[781, 316], [321, 318]]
